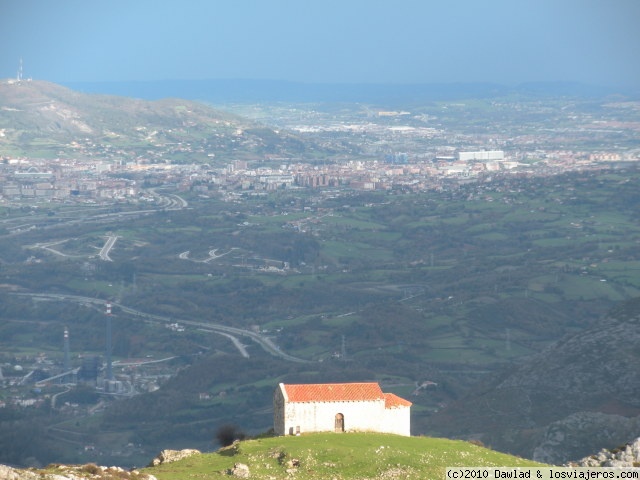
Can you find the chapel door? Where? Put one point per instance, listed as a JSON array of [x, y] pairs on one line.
[[339, 424]]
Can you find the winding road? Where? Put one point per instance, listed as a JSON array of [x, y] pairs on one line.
[[265, 342], [104, 253]]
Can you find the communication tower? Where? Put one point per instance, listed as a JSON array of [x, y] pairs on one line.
[[19, 77]]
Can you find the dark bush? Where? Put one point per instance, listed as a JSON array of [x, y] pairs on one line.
[[227, 434]]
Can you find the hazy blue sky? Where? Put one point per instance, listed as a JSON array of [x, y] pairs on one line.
[[374, 41]]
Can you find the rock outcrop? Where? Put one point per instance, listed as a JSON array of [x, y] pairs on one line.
[[169, 456], [91, 471], [240, 470], [583, 432], [626, 456], [8, 473], [72, 472]]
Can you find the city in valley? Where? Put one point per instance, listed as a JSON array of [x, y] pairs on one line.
[[432, 148]]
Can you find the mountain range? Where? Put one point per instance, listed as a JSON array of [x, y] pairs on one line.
[[260, 91]]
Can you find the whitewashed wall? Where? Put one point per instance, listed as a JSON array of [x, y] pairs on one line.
[[397, 420], [320, 416], [359, 416]]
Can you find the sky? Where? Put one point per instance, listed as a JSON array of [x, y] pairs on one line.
[[596, 42]]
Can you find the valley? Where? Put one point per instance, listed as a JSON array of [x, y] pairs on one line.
[[430, 283]]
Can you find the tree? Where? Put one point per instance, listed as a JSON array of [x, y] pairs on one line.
[[227, 434]]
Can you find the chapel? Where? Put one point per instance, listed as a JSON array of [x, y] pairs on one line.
[[339, 407]]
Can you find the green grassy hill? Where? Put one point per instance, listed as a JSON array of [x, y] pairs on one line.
[[43, 120], [330, 456]]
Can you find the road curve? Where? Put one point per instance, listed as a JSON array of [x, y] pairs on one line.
[[265, 342], [104, 252]]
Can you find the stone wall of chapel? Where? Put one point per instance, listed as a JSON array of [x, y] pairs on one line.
[[291, 418], [397, 420], [320, 416], [278, 413]]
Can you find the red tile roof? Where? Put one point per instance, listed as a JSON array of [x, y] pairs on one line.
[[391, 400], [341, 392]]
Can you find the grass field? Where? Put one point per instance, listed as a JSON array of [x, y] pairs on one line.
[[324, 456]]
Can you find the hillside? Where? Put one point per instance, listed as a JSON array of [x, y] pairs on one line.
[[421, 288], [574, 397], [349, 456], [428, 292], [319, 456], [42, 119]]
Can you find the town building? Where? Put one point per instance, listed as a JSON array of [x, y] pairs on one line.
[[481, 155], [339, 407]]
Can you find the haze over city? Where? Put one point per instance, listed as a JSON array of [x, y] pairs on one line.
[[356, 41]]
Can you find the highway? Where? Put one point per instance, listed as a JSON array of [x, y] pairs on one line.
[[265, 342], [241, 348], [104, 214], [170, 201]]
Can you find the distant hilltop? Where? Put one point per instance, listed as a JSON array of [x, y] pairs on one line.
[[42, 119]]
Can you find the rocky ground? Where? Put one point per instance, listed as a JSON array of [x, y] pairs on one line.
[[72, 472], [91, 471], [625, 456]]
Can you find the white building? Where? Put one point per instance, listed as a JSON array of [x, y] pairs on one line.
[[481, 155], [339, 407]]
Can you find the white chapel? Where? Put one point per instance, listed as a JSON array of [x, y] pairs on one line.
[[339, 407]]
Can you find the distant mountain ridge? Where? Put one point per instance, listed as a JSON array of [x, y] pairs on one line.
[[57, 111], [257, 91]]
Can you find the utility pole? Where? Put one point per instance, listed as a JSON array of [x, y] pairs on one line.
[[343, 349], [109, 374], [67, 354], [508, 340]]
